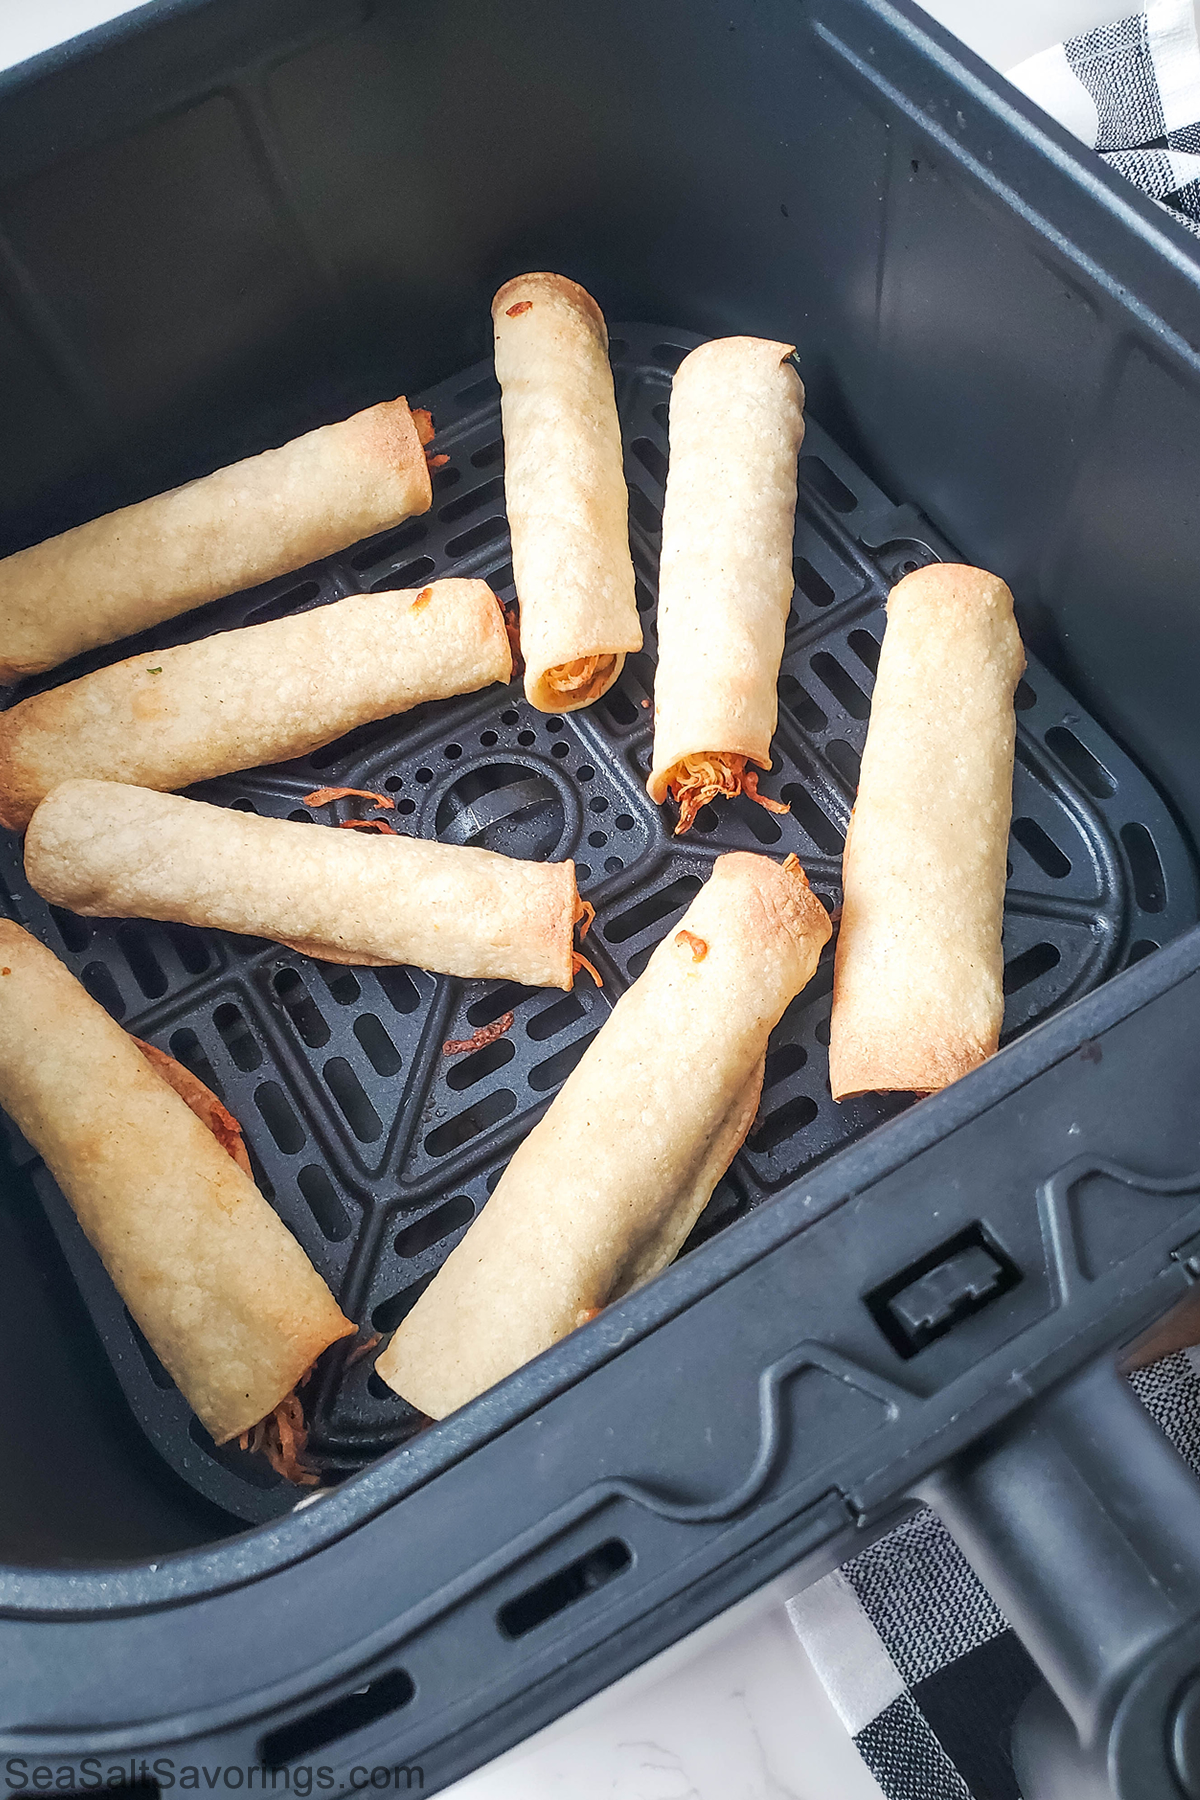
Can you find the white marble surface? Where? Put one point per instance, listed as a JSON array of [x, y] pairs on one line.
[[28, 27], [734, 1712]]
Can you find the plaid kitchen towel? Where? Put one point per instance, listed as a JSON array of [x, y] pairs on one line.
[[921, 1665], [1131, 90]]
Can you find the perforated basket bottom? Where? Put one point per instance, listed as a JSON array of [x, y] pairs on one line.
[[376, 1148]]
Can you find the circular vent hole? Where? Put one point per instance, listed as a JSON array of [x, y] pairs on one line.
[[503, 806]]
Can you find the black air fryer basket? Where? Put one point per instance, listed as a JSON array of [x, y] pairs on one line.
[[222, 223]]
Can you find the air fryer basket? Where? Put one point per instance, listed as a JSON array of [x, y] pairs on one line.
[[375, 1146], [226, 220]]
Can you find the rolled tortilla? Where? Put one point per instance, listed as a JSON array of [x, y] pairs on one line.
[[111, 851], [242, 525], [918, 994], [605, 1189], [564, 487], [200, 1100], [223, 1292], [725, 577], [263, 694]]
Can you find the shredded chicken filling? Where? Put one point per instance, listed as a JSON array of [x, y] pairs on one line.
[[326, 797], [512, 626], [584, 679], [422, 418], [200, 1100], [281, 1437], [479, 1040], [585, 912], [711, 775]]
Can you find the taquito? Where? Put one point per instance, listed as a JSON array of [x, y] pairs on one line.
[[229, 530], [605, 1189], [263, 694], [918, 994], [110, 851], [564, 489], [223, 1292], [725, 576]]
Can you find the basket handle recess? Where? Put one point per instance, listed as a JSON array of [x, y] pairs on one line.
[[1083, 1522]]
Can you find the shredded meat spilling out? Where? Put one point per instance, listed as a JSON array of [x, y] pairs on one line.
[[479, 1040], [361, 1350], [697, 945], [201, 1100], [583, 679], [585, 912], [709, 775], [326, 797], [281, 1437], [423, 420], [512, 625], [367, 825], [578, 962]]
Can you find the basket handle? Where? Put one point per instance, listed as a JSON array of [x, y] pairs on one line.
[[1083, 1522]]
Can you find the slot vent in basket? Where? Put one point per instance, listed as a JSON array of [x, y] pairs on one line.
[[324, 1202], [376, 1148], [292, 600], [466, 1125]]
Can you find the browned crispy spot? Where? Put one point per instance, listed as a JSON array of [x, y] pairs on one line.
[[368, 825], [422, 599], [478, 1040], [326, 796], [709, 775], [201, 1100], [5, 971], [522, 306], [698, 946]]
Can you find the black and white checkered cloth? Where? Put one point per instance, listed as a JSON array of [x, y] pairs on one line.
[[922, 1667], [1132, 91]]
